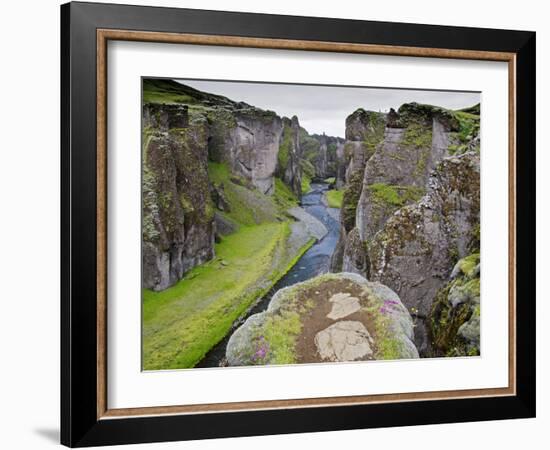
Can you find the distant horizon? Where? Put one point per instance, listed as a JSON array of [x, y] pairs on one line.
[[324, 109]]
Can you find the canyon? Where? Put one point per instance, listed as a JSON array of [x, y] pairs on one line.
[[265, 244]]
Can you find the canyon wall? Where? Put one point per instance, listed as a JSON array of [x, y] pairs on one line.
[[411, 203]]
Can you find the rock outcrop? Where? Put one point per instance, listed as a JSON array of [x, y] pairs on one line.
[[183, 130], [289, 169], [415, 140], [325, 155], [411, 202], [333, 317], [247, 139], [454, 320], [364, 132], [416, 249], [178, 214]]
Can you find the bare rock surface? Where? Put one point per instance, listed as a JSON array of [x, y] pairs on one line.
[[343, 304], [313, 225], [344, 341]]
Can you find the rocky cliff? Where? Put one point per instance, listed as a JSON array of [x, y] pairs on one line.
[[411, 201], [416, 249], [324, 154], [183, 131], [454, 318], [330, 318], [289, 156], [178, 225], [364, 132]]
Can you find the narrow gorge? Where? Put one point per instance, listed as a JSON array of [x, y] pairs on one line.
[[263, 243]]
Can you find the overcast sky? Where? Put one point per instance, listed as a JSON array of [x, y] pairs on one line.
[[325, 108]]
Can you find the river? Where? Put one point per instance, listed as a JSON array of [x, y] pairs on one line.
[[313, 262]]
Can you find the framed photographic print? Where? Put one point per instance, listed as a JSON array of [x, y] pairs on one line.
[[276, 224]]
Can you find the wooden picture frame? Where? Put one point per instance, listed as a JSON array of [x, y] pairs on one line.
[[85, 416]]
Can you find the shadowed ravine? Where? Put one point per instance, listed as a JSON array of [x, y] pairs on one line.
[[314, 262]]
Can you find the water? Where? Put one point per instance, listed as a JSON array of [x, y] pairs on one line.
[[313, 262]]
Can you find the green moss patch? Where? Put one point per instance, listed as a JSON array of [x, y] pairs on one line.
[[454, 305], [248, 205], [306, 184], [283, 196], [418, 135], [335, 198], [395, 195], [468, 264]]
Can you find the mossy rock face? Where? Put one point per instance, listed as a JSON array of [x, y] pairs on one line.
[[419, 244], [242, 136], [416, 139], [178, 213], [417, 113], [364, 133], [454, 320], [355, 258], [289, 168], [352, 193], [467, 136], [418, 207], [344, 313], [362, 125]]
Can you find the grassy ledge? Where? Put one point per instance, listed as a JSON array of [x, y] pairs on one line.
[[335, 198]]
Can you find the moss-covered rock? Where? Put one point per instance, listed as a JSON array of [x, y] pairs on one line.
[[242, 136], [415, 140], [333, 317], [418, 246], [178, 213], [364, 133], [355, 258], [324, 153], [454, 320], [289, 168]]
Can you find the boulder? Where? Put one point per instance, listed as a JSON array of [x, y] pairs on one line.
[[332, 317]]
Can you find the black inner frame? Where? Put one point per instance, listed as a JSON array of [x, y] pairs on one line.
[[79, 424]]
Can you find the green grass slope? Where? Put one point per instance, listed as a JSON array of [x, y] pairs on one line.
[[182, 323]]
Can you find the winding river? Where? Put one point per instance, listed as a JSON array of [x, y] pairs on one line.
[[314, 261]]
